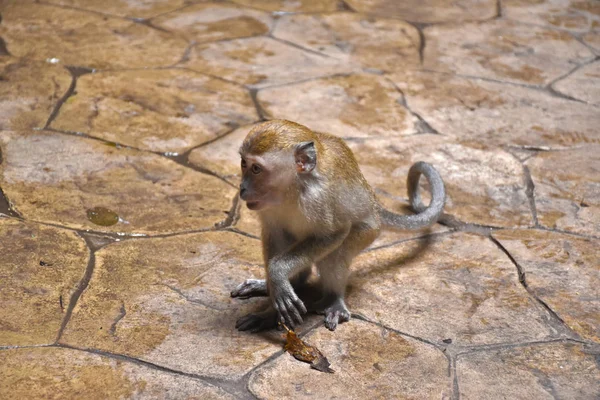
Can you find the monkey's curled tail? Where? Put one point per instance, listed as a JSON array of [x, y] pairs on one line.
[[425, 215]]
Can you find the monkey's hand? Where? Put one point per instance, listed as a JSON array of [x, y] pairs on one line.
[[287, 304]]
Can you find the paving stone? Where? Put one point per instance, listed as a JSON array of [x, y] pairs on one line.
[[563, 271], [369, 362], [573, 15], [584, 85], [428, 11], [159, 110], [58, 178], [592, 39], [260, 62], [53, 373], [41, 267], [167, 301], [212, 21], [546, 371], [377, 43], [489, 114], [74, 37], [503, 50], [312, 6], [496, 189], [458, 286], [127, 8], [29, 91], [567, 189], [343, 106]]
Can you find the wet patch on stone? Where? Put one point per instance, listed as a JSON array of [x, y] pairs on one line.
[[552, 370], [149, 193], [57, 372], [40, 269], [458, 286], [369, 361], [102, 216], [503, 50], [161, 110]]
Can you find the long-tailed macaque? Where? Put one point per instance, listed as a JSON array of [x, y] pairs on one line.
[[315, 207]]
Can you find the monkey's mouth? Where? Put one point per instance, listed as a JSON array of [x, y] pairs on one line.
[[254, 205]]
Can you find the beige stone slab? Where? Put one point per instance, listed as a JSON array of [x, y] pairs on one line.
[[127, 8], [211, 21], [167, 301], [489, 114], [567, 188], [261, 62], [563, 271], [573, 15], [369, 362], [428, 11], [546, 371], [458, 286], [503, 50], [584, 85], [371, 42], [72, 37], [485, 187], [40, 268], [57, 178], [158, 110], [346, 106], [56, 373], [592, 39], [312, 6], [29, 91]]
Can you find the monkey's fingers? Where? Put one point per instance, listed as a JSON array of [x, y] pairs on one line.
[[292, 308], [284, 311]]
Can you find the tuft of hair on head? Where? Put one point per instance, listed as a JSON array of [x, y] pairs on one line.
[[278, 134]]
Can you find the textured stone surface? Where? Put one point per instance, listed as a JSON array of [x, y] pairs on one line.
[[205, 22], [36, 280], [26, 102], [311, 6], [428, 11], [550, 371], [488, 114], [567, 189], [563, 271], [343, 106], [167, 301], [74, 37], [378, 43], [260, 62], [368, 361], [428, 288], [495, 195], [503, 50], [573, 15], [149, 193], [159, 110], [127, 8], [53, 373], [584, 84]]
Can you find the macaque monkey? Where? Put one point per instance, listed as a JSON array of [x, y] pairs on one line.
[[315, 207]]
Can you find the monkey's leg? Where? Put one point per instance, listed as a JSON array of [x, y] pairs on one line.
[[334, 271], [258, 287], [258, 321]]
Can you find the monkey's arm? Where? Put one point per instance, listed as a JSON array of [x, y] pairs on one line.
[[426, 215], [291, 262]]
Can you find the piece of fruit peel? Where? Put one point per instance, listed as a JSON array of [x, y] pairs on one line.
[[304, 352]]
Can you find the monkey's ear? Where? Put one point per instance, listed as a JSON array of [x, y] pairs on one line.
[[306, 157]]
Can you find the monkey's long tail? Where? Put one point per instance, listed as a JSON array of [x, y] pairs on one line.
[[425, 216]]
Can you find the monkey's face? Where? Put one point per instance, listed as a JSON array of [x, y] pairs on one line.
[[266, 179]]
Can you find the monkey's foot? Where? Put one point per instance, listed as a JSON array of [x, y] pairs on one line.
[[336, 314], [250, 288], [257, 322]]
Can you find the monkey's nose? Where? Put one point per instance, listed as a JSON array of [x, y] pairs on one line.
[[242, 192]]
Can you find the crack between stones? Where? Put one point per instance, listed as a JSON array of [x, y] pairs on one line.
[[297, 46], [421, 126], [311, 79], [85, 10], [81, 286], [240, 232], [523, 281], [260, 111], [466, 350], [530, 193], [581, 235], [29, 346], [188, 299], [122, 313]]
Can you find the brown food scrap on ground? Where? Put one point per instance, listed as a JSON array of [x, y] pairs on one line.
[[305, 352]]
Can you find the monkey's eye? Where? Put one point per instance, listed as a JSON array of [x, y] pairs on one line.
[[256, 169], [243, 163]]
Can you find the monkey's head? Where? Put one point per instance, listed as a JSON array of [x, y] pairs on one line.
[[274, 154]]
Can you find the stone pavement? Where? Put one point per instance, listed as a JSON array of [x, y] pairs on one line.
[[121, 234]]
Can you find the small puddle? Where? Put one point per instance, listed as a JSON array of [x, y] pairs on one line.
[[102, 216]]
